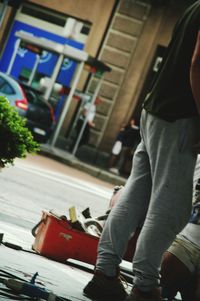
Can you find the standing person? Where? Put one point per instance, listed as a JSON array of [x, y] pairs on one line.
[[130, 140], [116, 150], [88, 114], [158, 191]]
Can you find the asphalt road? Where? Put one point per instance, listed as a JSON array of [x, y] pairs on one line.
[[38, 183], [32, 185]]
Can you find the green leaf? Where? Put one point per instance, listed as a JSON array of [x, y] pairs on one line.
[[16, 140]]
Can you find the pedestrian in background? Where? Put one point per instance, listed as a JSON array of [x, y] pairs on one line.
[[130, 140], [88, 114], [127, 141], [116, 150], [84, 123], [159, 189]]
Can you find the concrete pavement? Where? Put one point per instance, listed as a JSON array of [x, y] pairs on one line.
[[69, 159], [63, 279]]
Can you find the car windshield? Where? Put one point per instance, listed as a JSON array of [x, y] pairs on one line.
[[5, 87], [35, 99], [1, 81]]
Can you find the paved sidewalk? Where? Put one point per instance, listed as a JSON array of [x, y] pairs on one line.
[[69, 159]]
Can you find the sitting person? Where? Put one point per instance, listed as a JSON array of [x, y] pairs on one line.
[[180, 270]]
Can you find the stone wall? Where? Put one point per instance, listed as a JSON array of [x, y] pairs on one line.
[[118, 50], [96, 12], [136, 31], [127, 41]]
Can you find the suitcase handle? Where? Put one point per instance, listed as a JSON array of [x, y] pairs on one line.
[[33, 231], [43, 220]]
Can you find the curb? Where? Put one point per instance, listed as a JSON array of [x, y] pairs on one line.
[[70, 160]]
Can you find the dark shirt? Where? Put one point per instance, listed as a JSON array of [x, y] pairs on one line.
[[171, 95], [120, 136], [130, 136]]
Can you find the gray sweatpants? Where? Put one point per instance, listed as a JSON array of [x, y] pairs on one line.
[[158, 193]]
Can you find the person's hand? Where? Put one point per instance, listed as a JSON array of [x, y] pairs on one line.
[[91, 124], [196, 147]]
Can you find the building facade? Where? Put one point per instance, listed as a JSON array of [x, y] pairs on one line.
[[128, 35]]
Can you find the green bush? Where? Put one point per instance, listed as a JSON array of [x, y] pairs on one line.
[[15, 138]]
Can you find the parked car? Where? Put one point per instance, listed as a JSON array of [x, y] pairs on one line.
[[31, 105], [40, 114], [11, 89]]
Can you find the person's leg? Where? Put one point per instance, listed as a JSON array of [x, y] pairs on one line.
[[196, 281], [177, 270], [196, 289], [76, 132], [112, 161], [115, 154], [122, 159], [156, 235], [85, 136], [127, 214], [172, 159], [188, 292], [176, 277]]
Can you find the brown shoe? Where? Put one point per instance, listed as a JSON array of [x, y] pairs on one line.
[[137, 295], [105, 288]]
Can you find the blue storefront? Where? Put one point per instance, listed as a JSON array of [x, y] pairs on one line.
[[26, 59]]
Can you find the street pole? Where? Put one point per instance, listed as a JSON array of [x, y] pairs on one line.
[[34, 69], [54, 76], [67, 104], [85, 121], [13, 56]]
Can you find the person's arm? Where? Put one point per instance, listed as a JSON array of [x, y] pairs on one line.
[[195, 73], [195, 81], [90, 114]]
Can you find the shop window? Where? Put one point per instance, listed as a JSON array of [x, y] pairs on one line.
[[67, 25]]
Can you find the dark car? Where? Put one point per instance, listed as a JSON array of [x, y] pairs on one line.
[[12, 90], [30, 104], [40, 114]]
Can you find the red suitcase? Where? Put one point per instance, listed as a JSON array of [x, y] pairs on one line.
[[56, 239]]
